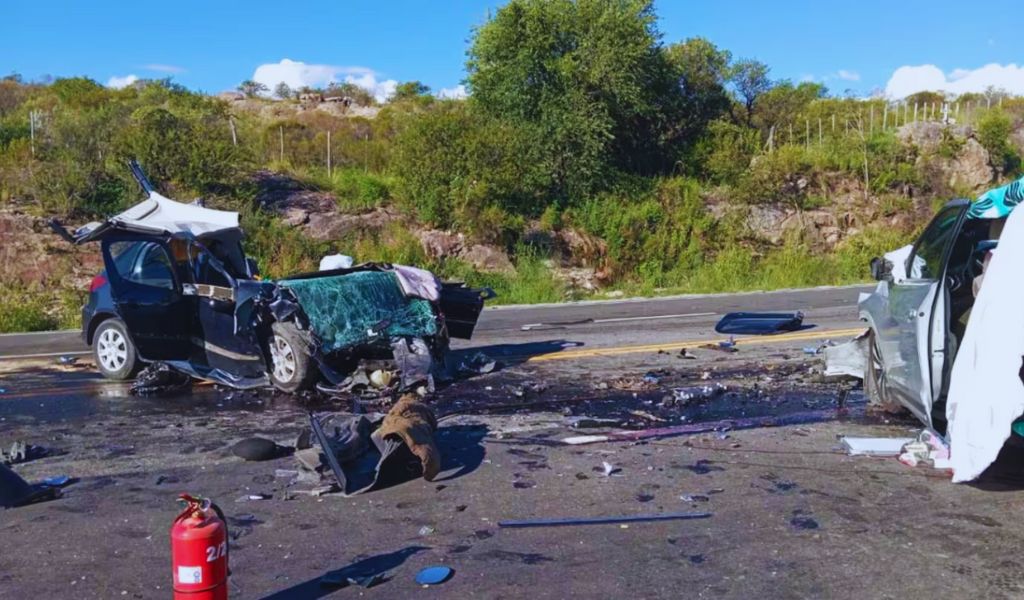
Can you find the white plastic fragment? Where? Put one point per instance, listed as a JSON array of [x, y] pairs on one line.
[[875, 446], [335, 261]]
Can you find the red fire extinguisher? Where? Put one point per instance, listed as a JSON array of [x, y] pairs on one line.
[[199, 551]]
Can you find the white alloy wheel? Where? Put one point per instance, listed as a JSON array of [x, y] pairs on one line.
[[112, 349], [283, 358]]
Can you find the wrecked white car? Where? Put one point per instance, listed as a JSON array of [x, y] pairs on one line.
[[945, 336], [178, 289]]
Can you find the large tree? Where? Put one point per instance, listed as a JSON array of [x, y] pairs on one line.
[[589, 80], [410, 89], [750, 77], [703, 72], [252, 88], [283, 91]]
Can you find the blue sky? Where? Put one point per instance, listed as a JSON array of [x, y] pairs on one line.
[[211, 46]]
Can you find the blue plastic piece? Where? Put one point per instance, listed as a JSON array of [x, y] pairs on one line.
[[434, 575], [760, 323]]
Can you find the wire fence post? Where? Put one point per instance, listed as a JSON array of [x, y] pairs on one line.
[[32, 132], [234, 134], [871, 127], [819, 132], [280, 133], [807, 136], [328, 153], [885, 115], [915, 112]]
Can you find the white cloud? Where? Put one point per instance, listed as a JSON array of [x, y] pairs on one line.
[[908, 80], [298, 74], [161, 68], [120, 82], [453, 93], [847, 75]]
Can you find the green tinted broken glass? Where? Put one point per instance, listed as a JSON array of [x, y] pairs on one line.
[[360, 308]]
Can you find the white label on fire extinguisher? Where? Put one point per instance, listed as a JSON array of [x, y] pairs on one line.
[[190, 574]]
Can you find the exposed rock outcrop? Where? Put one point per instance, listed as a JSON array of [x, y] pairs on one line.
[[440, 245], [313, 211], [32, 255]]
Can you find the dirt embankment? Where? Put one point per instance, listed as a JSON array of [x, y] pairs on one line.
[[33, 256]]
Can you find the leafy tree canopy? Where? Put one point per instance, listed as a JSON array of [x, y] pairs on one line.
[[589, 77]]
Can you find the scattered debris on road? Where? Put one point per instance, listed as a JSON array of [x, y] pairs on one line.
[[362, 455], [15, 491], [22, 451], [569, 521]]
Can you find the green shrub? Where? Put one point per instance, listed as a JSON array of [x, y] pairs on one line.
[[994, 129], [35, 309]]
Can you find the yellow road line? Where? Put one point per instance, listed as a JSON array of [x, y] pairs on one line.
[[747, 341], [569, 355]]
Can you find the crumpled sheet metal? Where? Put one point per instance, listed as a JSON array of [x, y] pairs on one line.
[[219, 375], [414, 362], [849, 358], [986, 393], [360, 308]]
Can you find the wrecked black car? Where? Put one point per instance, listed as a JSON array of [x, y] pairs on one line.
[[178, 289]]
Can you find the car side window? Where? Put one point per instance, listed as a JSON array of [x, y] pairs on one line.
[[925, 262], [206, 268], [144, 263]]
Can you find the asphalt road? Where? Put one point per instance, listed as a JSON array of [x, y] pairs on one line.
[[791, 515], [594, 324]]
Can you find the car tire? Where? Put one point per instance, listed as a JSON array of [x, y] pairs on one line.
[[113, 350], [876, 386], [289, 360]]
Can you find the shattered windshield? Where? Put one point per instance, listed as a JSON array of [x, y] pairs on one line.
[[362, 307]]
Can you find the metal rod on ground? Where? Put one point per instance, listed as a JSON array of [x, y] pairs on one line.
[[601, 520], [692, 428]]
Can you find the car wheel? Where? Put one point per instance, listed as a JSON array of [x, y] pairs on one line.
[[289, 362], [114, 351], [876, 385]]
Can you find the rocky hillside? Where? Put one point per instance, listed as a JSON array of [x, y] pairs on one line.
[[949, 160]]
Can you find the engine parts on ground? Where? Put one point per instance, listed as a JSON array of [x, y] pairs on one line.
[[160, 379], [361, 458]]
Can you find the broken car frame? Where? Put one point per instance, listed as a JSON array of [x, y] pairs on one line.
[[182, 291]]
